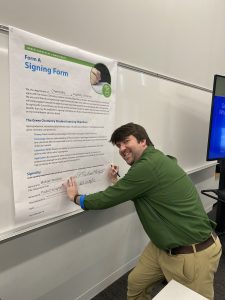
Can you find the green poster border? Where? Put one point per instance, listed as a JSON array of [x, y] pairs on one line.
[[58, 56]]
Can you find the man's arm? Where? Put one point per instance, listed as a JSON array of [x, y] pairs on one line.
[[72, 189]]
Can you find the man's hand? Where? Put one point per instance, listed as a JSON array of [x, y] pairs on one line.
[[71, 188], [113, 173], [95, 76]]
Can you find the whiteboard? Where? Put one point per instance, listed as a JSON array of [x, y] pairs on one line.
[[175, 116]]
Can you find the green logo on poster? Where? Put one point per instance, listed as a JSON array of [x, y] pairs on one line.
[[106, 90]]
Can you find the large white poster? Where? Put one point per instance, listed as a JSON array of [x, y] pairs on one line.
[[62, 103]]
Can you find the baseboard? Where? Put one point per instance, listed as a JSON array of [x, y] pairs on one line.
[[209, 208], [99, 287]]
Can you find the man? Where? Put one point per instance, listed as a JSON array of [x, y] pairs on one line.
[[183, 245]]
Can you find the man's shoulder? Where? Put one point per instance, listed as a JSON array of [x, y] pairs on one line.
[[151, 153], [147, 161]]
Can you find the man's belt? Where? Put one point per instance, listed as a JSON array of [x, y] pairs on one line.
[[193, 248]]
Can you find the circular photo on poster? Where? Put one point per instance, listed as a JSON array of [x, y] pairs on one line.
[[100, 79]]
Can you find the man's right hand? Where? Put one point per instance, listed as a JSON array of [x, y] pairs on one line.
[[113, 173]]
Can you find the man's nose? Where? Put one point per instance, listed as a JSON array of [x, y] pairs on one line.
[[122, 147]]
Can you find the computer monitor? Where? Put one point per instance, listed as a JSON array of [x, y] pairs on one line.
[[216, 137]]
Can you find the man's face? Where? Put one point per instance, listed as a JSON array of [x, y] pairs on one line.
[[130, 149]]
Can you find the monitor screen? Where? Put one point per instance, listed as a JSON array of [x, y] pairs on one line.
[[216, 137]]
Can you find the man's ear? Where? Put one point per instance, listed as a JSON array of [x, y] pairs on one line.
[[143, 142]]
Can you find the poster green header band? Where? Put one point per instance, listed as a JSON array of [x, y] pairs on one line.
[[57, 55]]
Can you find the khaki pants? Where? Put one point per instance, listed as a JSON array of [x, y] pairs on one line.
[[195, 271]]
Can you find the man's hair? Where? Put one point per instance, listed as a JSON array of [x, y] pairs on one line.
[[121, 133]]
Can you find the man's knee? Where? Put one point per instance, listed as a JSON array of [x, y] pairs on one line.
[[136, 281], [132, 280], [136, 289]]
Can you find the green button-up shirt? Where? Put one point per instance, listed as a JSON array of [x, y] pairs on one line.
[[165, 198]]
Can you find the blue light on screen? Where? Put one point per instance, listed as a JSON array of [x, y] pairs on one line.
[[216, 148]]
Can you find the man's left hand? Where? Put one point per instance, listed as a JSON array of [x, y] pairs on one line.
[[71, 188]]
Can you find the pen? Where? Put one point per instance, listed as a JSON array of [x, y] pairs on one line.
[[116, 172]]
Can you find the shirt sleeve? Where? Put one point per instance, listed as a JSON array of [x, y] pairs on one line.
[[139, 179]]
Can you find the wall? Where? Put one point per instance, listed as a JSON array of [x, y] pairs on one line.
[[77, 258], [180, 39]]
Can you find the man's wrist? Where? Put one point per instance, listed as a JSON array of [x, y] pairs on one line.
[[75, 198], [81, 201], [114, 180]]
